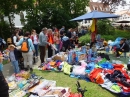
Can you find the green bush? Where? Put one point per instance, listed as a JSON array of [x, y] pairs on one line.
[[108, 37], [104, 27], [85, 39], [122, 33]]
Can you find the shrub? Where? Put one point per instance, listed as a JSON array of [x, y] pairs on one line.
[[104, 27], [85, 39]]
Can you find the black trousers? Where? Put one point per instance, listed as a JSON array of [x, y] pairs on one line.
[[42, 53], [117, 51], [50, 52]]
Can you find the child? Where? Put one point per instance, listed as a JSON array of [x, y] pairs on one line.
[[13, 55], [1, 60]]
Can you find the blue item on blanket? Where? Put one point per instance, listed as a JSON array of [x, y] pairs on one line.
[[91, 66], [106, 65], [116, 42], [124, 94]]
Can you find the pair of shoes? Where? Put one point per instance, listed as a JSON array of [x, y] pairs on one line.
[[31, 70]]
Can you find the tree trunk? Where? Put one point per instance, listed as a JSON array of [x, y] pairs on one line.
[[11, 26]]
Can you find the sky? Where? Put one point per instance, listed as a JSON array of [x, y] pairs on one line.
[[120, 7]]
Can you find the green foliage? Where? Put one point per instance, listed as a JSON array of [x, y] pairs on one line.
[[105, 28], [48, 13], [118, 33], [4, 30], [85, 39]]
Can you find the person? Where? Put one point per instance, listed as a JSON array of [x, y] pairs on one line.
[[93, 39], [28, 56], [13, 57], [124, 47], [20, 32], [3, 84], [35, 39], [42, 44], [51, 41], [15, 37], [1, 44], [69, 33], [57, 41]]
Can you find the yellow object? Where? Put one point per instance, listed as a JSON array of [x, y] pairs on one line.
[[93, 25], [120, 52]]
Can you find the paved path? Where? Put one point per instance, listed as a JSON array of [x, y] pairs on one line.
[[8, 68]]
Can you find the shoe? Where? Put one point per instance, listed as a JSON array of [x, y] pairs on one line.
[[31, 70], [26, 69], [118, 57]]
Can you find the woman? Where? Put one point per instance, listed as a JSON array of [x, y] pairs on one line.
[[15, 37], [50, 40], [57, 41], [34, 38], [28, 56]]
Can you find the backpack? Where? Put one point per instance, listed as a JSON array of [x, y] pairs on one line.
[[1, 41], [25, 46]]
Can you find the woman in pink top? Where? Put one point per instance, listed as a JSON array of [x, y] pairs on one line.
[[57, 41], [34, 38]]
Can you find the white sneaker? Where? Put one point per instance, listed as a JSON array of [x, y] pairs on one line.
[[118, 57]]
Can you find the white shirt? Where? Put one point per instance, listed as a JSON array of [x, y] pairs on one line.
[[15, 39], [35, 39]]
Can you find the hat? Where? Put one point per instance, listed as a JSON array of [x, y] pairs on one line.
[[11, 46], [1, 56]]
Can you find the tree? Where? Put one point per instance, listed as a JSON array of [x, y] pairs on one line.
[[54, 13], [114, 3], [104, 27]]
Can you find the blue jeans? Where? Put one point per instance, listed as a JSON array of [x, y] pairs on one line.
[[36, 49], [58, 48], [16, 66]]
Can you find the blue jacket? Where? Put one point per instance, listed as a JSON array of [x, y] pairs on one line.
[[29, 43]]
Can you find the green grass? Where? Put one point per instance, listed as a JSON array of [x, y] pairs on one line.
[[94, 90]]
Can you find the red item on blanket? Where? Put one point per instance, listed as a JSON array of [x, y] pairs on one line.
[[75, 95], [94, 73], [125, 89]]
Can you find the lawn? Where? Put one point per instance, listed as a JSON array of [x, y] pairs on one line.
[[94, 90]]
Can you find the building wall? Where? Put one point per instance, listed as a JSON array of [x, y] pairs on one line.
[[17, 21]]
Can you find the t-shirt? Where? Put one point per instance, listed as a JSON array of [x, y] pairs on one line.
[[35, 40], [15, 39]]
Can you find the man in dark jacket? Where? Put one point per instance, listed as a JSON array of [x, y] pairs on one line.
[[124, 47], [3, 86]]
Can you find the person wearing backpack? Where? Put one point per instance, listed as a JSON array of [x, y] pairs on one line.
[[27, 49]]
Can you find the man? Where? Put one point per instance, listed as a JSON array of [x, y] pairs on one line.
[[124, 47], [42, 44], [3, 86]]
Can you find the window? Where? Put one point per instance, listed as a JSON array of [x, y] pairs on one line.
[[96, 8], [85, 21]]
